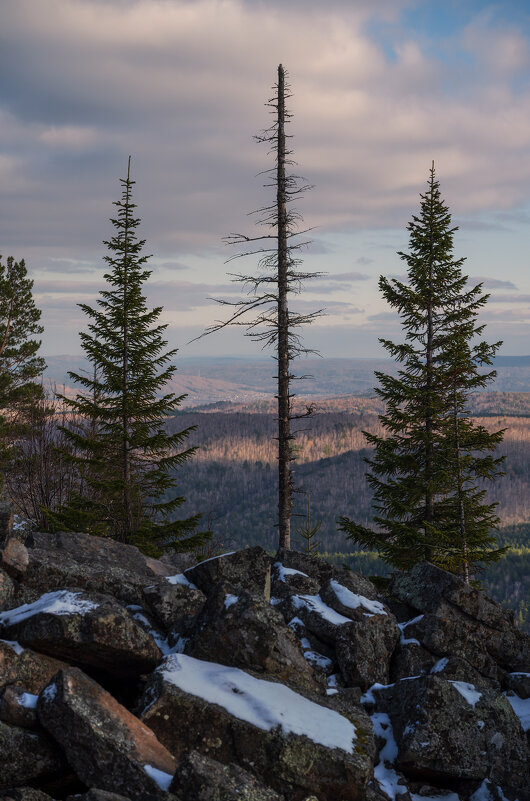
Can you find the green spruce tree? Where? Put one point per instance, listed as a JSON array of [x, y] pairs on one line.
[[428, 469], [20, 364], [126, 459]]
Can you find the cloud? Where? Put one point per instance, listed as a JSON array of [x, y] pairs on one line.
[[491, 283], [364, 260], [509, 299], [346, 277]]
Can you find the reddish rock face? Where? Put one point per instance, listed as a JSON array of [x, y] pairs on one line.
[[25, 668], [86, 628], [107, 746]]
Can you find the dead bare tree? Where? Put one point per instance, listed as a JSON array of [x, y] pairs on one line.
[[265, 312]]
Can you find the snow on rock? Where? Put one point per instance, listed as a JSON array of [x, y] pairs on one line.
[[351, 600], [261, 703], [230, 600], [162, 779], [386, 777], [283, 572], [28, 700], [486, 792], [314, 603], [402, 626], [467, 691], [521, 707], [211, 559], [138, 613], [368, 697], [62, 602], [16, 646], [440, 665], [180, 578]]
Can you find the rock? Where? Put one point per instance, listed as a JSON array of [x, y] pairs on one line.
[[24, 794], [26, 757], [285, 581], [106, 745], [519, 683], [364, 649], [178, 562], [56, 561], [15, 558], [86, 628], [18, 707], [244, 631], [449, 730], [98, 795], [318, 618], [200, 778], [292, 744], [25, 668], [425, 586], [348, 602], [175, 606], [7, 591], [248, 569], [410, 659]]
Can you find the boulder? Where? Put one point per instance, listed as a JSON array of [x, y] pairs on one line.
[[18, 707], [175, 603], [350, 603], [24, 794], [59, 560], [450, 730], [312, 566], [86, 628], [410, 659], [27, 757], [318, 618], [7, 591], [108, 747], [201, 778], [245, 631], [6, 522], [248, 569], [290, 743], [178, 562], [287, 581], [364, 649], [26, 668], [98, 795]]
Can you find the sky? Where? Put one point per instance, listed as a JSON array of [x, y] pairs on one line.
[[380, 89]]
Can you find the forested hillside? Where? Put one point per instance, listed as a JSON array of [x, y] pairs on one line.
[[231, 479]]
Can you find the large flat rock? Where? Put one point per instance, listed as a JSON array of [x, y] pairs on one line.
[[26, 668], [108, 747], [290, 743]]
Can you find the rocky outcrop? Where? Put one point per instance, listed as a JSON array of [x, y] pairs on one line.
[[251, 678]]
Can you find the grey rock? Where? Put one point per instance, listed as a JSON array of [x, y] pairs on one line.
[[97, 631], [26, 668], [519, 683], [24, 794], [27, 757], [178, 562], [18, 708], [292, 764], [285, 583], [244, 631], [7, 591], [98, 795], [201, 778], [6, 522], [313, 566], [364, 649], [248, 569], [106, 745], [175, 606], [410, 659], [445, 737], [59, 560]]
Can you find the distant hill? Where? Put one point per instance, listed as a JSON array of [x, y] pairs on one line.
[[224, 379]]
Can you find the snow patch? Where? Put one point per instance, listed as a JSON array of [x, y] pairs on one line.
[[402, 626], [353, 601], [28, 700], [283, 572], [440, 665], [62, 602], [484, 793], [15, 646], [332, 688], [162, 779], [319, 660], [467, 691], [521, 707], [180, 578], [386, 777], [368, 697], [314, 603], [49, 692], [230, 600], [138, 613], [263, 704]]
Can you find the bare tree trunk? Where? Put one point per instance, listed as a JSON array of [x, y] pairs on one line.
[[284, 416]]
